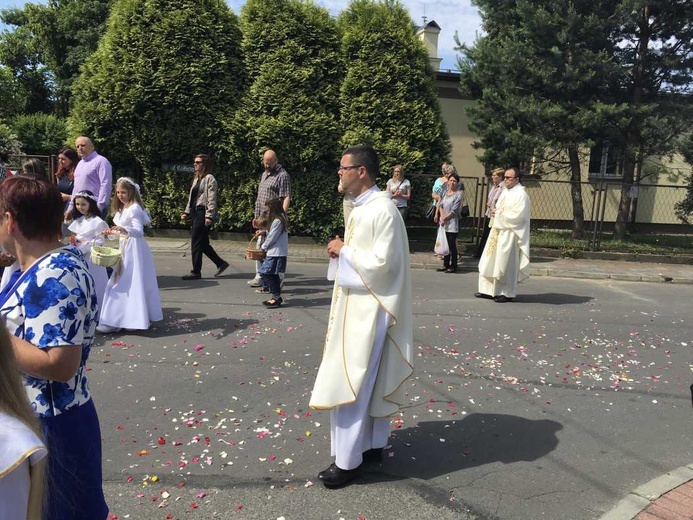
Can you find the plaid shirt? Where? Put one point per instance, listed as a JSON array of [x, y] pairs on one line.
[[276, 183]]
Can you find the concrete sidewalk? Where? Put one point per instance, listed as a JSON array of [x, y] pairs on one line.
[[593, 268]]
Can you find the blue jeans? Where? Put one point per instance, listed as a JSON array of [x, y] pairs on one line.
[[269, 272]]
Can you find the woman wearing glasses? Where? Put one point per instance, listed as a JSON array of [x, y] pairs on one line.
[[202, 208]]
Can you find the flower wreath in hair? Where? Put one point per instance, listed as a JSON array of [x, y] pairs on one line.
[[85, 195], [131, 183]]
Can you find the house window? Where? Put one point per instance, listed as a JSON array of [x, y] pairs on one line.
[[604, 161]]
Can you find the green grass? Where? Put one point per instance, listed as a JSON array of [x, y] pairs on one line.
[[635, 243]]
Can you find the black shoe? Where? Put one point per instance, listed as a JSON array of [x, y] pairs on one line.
[[374, 455], [482, 295], [192, 276], [273, 303], [223, 267], [451, 270], [502, 299], [441, 269], [334, 477]]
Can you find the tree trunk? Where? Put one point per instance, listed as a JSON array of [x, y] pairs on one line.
[[632, 134], [576, 193]]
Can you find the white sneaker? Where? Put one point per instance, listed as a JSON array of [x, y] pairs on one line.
[[105, 329], [255, 282]]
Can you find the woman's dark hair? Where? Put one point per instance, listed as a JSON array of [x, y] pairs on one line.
[[21, 195], [275, 210], [206, 164], [34, 167], [93, 206], [74, 159]]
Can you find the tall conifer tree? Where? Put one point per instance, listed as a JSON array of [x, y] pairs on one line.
[[388, 97]]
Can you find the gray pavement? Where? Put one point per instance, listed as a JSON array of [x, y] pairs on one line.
[[559, 405]]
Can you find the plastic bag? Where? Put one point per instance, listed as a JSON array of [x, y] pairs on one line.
[[441, 247]]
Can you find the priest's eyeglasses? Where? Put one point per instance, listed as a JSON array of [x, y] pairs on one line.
[[344, 168]]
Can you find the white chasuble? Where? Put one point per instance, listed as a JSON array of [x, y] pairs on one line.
[[378, 280], [505, 260]]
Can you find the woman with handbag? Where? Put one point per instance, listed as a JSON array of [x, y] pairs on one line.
[[447, 217], [400, 191], [202, 208]]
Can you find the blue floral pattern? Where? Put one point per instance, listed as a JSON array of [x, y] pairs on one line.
[[55, 304]]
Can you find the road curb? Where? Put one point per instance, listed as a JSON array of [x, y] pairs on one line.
[[642, 496]]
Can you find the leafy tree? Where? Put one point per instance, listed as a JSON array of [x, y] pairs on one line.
[[291, 49], [57, 37], [41, 134], [10, 99], [388, 98], [20, 53], [655, 53], [9, 144], [543, 76]]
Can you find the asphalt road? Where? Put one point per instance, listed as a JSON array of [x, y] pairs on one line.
[[554, 406]]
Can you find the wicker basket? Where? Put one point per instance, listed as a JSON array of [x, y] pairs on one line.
[[254, 253], [105, 256]]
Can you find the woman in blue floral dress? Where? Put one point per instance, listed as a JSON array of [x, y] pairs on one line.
[[50, 307]]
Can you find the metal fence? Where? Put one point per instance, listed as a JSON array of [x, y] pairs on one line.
[[653, 205], [16, 163]]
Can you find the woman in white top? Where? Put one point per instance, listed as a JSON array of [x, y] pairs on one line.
[[21, 450], [400, 190]]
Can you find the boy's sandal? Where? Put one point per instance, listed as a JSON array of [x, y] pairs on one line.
[[273, 303]]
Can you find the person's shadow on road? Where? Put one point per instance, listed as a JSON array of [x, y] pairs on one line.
[[553, 298], [436, 448]]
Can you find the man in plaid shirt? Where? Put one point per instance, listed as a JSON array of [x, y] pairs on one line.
[[275, 183]]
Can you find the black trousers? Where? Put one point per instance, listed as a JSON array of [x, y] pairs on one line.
[[200, 245], [482, 242], [450, 261]]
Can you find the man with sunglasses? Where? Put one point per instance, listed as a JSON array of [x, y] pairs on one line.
[[505, 260], [368, 353]]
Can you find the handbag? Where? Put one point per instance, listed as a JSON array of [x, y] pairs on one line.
[[441, 247], [464, 212]]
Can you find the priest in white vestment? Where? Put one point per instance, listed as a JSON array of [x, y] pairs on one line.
[[368, 353], [505, 260]]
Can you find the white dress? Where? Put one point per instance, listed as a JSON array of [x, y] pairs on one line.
[[132, 299], [20, 449], [85, 229]]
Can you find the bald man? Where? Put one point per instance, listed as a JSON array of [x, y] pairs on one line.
[[275, 183], [92, 173]]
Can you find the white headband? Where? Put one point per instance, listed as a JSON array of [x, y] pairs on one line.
[[84, 195], [130, 182]]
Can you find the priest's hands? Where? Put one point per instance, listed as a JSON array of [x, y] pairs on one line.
[[334, 247]]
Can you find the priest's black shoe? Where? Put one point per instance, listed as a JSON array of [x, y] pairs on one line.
[[334, 477], [373, 455], [482, 295], [502, 299], [191, 276]]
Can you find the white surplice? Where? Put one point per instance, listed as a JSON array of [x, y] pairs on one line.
[[368, 350], [505, 260], [20, 448]]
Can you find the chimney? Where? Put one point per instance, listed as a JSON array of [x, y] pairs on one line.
[[428, 34]]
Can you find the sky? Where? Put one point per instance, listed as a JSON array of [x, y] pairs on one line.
[[453, 16]]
